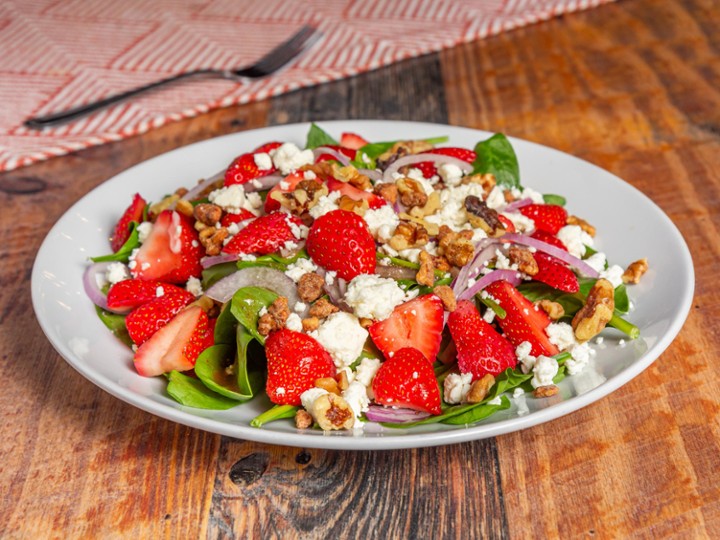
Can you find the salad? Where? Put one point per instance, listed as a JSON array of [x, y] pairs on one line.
[[400, 282]]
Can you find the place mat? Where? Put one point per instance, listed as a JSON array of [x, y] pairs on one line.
[[55, 54]]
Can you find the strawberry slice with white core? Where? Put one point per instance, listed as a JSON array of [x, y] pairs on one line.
[[176, 346]]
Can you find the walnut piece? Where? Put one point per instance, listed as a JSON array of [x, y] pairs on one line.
[[342, 380], [322, 308], [431, 206], [545, 391], [447, 296], [275, 318], [388, 192], [329, 384], [411, 192], [486, 180], [207, 213], [590, 320], [306, 194], [481, 216], [351, 205], [426, 273], [408, 235], [352, 176], [635, 271], [162, 204], [456, 247], [185, 208], [212, 239], [303, 419], [310, 287], [480, 388], [332, 412], [400, 149], [554, 310], [431, 228], [584, 225], [310, 324], [524, 260]]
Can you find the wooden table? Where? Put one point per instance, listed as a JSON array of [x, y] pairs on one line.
[[633, 87]]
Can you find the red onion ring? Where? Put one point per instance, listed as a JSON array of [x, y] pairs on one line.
[[203, 185], [372, 174], [378, 413], [484, 251], [264, 182], [437, 159], [511, 276], [515, 205], [207, 262], [93, 289], [320, 150], [555, 251]]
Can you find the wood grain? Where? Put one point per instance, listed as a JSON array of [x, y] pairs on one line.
[[633, 87]]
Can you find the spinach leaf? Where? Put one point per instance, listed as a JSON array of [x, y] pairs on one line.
[[212, 369], [245, 305], [273, 261], [247, 367], [225, 327], [278, 412], [372, 151], [622, 302], [318, 137], [550, 198], [116, 324], [212, 275], [496, 155], [193, 393], [122, 254], [478, 412]]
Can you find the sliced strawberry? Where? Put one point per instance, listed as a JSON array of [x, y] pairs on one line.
[[171, 252], [144, 321], [374, 201], [264, 235], [480, 349], [554, 273], [294, 362], [547, 217], [523, 321], [417, 323], [243, 169], [509, 225], [134, 212], [132, 293], [429, 169], [548, 239], [287, 185], [340, 241], [352, 141], [407, 380], [176, 346], [229, 219]]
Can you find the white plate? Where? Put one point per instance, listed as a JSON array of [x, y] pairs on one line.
[[629, 226]]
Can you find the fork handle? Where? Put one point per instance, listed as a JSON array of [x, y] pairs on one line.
[[67, 115]]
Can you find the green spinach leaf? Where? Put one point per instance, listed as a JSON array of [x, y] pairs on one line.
[[245, 305], [122, 254], [550, 198], [278, 412], [318, 137], [496, 155], [116, 324], [193, 393]]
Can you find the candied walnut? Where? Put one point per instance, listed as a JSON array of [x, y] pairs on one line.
[[441, 263], [351, 205], [545, 391], [275, 317], [388, 192], [342, 380], [185, 208], [352, 176], [460, 252], [481, 216], [305, 195], [590, 320], [266, 324], [554, 310], [426, 272], [408, 235], [584, 225], [161, 205], [332, 412], [447, 236], [431, 206], [181, 192], [411, 192], [400, 149], [508, 196], [322, 308], [486, 180], [303, 419], [447, 296], [207, 213], [480, 389], [329, 384], [212, 239], [635, 271], [310, 324], [431, 228], [310, 287], [524, 260]]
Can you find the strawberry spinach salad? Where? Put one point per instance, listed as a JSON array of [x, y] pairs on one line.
[[401, 282]]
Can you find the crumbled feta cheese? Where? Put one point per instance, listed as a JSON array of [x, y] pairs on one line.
[[326, 203], [143, 231], [502, 262], [518, 392], [561, 334], [575, 239], [299, 268], [495, 401], [452, 205], [289, 245], [299, 231], [330, 277], [116, 272], [374, 297], [294, 323], [308, 397], [599, 340], [233, 229], [527, 360], [309, 175], [366, 370], [456, 387], [528, 193], [580, 356], [417, 175], [263, 161], [411, 254], [233, 199], [496, 198], [159, 291], [194, 286], [597, 261], [248, 257], [289, 157], [299, 307], [450, 173], [613, 275], [382, 222], [544, 371], [342, 336], [357, 398], [489, 316]]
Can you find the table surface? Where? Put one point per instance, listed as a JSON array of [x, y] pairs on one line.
[[633, 87]]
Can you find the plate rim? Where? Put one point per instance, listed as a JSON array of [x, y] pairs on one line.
[[389, 440]]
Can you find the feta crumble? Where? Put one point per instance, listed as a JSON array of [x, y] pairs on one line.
[[575, 239], [326, 203], [288, 157], [544, 371], [143, 231], [263, 161], [194, 286], [374, 297], [294, 323], [456, 387], [342, 336], [116, 272], [299, 268]]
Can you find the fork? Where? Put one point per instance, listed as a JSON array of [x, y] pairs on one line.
[[267, 65]]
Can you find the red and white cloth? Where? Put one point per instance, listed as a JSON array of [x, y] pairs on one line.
[[55, 54]]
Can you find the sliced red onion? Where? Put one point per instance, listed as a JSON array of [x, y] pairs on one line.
[[555, 251], [320, 150], [511, 276], [484, 251], [93, 289], [437, 159], [372, 174], [207, 262], [257, 276], [517, 204], [378, 413], [203, 185], [262, 183], [395, 272]]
